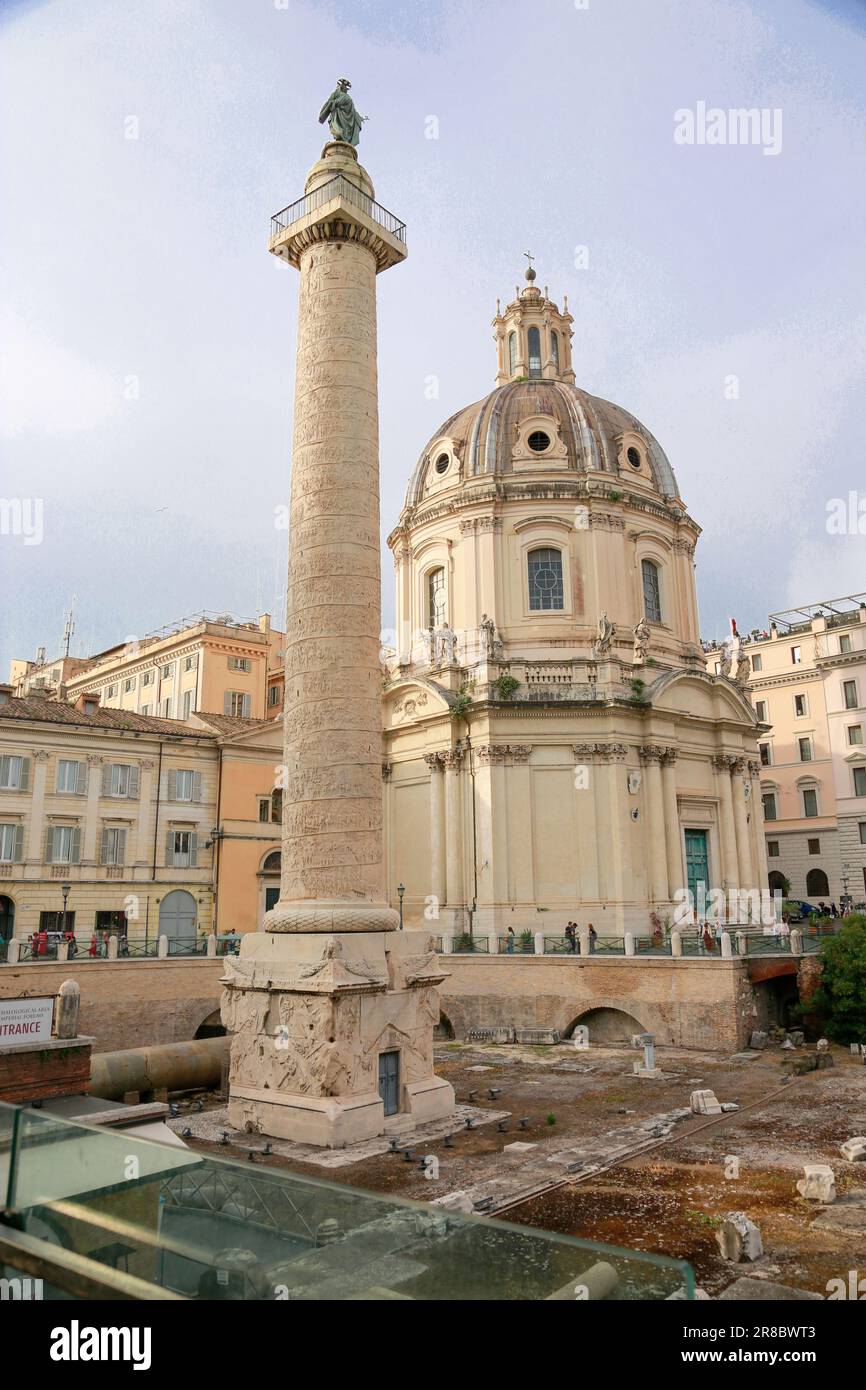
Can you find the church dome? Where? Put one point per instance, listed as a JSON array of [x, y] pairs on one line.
[[541, 424]]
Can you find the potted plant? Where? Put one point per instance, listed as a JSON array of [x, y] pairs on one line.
[[526, 941]]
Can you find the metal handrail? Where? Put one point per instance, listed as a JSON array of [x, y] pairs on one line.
[[339, 186]]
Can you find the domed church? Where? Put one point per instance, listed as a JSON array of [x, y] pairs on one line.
[[554, 749]]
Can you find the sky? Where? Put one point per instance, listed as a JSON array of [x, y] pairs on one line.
[[147, 338]]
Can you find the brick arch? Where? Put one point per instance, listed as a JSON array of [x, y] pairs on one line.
[[606, 1024]]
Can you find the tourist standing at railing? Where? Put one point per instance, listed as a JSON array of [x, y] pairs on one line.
[[94, 946], [571, 935], [708, 938], [71, 944], [509, 941], [593, 938], [40, 943]]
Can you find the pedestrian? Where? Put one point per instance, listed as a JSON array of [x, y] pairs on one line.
[[709, 942], [593, 938], [834, 911], [71, 944], [509, 944], [94, 946], [41, 942], [570, 935]]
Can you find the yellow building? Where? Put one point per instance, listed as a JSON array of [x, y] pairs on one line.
[[208, 662], [553, 742], [806, 678], [155, 827]]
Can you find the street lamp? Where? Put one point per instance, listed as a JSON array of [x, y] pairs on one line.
[[66, 889], [401, 889]]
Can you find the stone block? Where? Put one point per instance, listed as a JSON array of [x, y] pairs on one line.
[[455, 1201], [764, 1291], [758, 1040], [822, 1045], [519, 1146], [704, 1103], [537, 1037], [854, 1150], [739, 1238], [796, 1036], [818, 1183]]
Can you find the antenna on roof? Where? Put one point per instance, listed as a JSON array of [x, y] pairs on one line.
[[69, 628]]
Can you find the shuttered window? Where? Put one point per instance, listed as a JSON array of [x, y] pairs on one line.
[[181, 849], [71, 777], [113, 845], [11, 844], [184, 785], [236, 702], [63, 844], [120, 780], [14, 773]]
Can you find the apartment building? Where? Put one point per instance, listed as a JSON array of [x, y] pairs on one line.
[[206, 663], [807, 682], [148, 824]]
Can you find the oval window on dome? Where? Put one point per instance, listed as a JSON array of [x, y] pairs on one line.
[[634, 457], [538, 441], [441, 464]]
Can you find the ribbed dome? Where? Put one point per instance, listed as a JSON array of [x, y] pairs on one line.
[[589, 427]]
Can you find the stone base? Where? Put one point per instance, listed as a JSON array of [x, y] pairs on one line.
[[310, 1017], [330, 917]]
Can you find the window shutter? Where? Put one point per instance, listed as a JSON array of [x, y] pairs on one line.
[[172, 786], [106, 780], [57, 776], [134, 781], [25, 775], [18, 850], [81, 779], [196, 786], [75, 847], [245, 706], [121, 848], [103, 853], [4, 771], [49, 845], [227, 702], [169, 849], [193, 851]]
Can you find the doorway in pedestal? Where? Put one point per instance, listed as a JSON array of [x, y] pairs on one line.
[[389, 1081]]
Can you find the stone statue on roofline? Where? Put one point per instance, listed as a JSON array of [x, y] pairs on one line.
[[603, 642], [344, 121], [641, 642]]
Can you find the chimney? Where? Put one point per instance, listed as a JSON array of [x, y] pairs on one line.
[[265, 623]]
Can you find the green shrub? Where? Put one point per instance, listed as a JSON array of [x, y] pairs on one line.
[[841, 995], [505, 686]]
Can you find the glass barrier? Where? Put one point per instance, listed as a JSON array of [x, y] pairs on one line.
[[176, 1221]]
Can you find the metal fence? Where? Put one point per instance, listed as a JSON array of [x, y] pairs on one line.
[[338, 187]]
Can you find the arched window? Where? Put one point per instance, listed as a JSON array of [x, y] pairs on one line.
[[512, 353], [544, 568], [554, 350], [652, 605], [776, 882], [435, 598], [817, 884], [272, 862], [533, 339]]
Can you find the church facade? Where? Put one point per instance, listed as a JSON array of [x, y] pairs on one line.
[[554, 748]]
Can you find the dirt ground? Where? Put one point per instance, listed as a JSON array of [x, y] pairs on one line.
[[584, 1113]]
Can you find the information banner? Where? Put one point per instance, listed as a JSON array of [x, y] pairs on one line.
[[26, 1020]]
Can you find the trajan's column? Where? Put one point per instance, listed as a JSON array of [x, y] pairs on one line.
[[332, 1009]]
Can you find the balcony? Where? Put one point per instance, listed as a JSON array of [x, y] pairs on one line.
[[337, 187]]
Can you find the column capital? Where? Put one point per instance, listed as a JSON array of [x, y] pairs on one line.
[[452, 758], [652, 753], [611, 752], [754, 768], [434, 761], [386, 772], [723, 762]]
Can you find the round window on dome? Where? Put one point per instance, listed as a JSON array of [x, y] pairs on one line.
[[441, 464], [538, 441], [634, 457]]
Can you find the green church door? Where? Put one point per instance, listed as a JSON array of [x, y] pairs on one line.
[[697, 867]]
